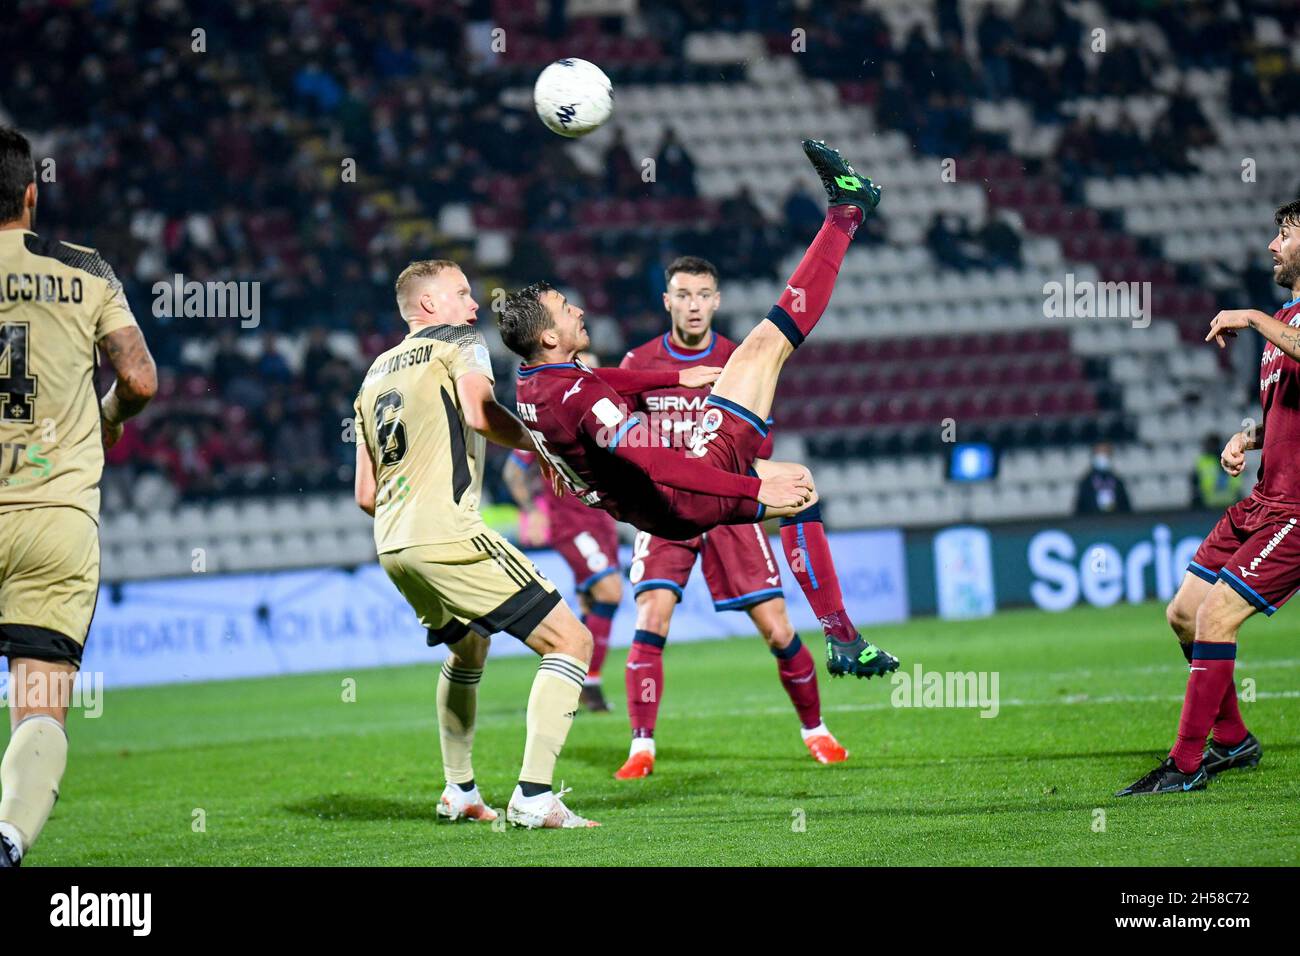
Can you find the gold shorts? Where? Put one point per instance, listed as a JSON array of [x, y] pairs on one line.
[[483, 583], [49, 581]]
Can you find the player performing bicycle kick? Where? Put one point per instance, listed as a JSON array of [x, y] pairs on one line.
[[614, 460]]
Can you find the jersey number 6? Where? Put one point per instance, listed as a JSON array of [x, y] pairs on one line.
[[389, 430]]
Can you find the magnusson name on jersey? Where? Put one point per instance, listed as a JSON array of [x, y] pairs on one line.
[[395, 363], [40, 287]]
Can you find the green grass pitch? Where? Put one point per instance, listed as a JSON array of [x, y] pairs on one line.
[[285, 772]]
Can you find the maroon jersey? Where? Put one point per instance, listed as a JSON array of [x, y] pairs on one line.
[[562, 510], [607, 456], [1279, 393], [674, 410]]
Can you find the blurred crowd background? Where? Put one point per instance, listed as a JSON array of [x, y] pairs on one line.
[[221, 155]]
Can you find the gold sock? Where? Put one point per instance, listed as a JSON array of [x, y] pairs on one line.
[[551, 706], [30, 773], [457, 706]]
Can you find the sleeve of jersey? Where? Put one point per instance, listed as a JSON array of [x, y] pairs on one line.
[[664, 467], [114, 312], [628, 436], [627, 381], [524, 459], [471, 355], [358, 422]]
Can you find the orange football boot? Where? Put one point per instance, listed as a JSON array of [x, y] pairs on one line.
[[826, 749], [639, 764]]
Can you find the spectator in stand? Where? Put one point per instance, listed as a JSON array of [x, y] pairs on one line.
[[286, 90], [995, 35], [1212, 487], [1001, 244], [802, 213], [1101, 491], [622, 174], [951, 243], [674, 168]]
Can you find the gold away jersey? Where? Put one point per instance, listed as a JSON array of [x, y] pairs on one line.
[[57, 301], [428, 462]]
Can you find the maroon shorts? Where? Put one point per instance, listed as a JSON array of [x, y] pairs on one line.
[[728, 437], [1255, 550], [589, 545], [739, 565]]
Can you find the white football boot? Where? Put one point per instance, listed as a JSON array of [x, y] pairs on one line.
[[546, 810], [455, 804]]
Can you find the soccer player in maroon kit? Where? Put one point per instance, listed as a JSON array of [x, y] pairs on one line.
[[587, 540], [739, 566], [1251, 560], [608, 457]]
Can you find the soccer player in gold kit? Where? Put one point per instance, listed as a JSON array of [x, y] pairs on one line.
[[58, 301], [423, 412]]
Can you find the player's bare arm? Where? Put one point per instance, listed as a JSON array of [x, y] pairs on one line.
[[487, 416], [364, 484], [137, 379], [698, 376], [1228, 322], [630, 382], [515, 479]]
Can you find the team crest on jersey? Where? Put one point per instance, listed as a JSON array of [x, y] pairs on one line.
[[705, 430]]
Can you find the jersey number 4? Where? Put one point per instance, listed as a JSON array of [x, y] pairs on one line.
[[17, 383]]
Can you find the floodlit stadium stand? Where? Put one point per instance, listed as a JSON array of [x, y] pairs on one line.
[[1003, 174]]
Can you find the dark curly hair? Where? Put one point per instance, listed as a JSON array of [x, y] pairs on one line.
[[524, 318]]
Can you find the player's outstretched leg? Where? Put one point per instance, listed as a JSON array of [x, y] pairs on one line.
[[565, 646], [798, 673], [598, 610], [457, 699], [1210, 677], [803, 538], [645, 685], [750, 375], [36, 757]]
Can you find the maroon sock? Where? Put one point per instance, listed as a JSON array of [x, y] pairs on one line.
[[1229, 728], [599, 619], [799, 678], [803, 537], [809, 290], [645, 682], [1207, 682]]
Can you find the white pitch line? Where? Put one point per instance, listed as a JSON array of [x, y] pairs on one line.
[[1008, 702]]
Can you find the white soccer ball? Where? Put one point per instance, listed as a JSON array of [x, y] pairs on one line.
[[573, 97]]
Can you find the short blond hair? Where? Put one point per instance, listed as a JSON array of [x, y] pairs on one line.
[[420, 269]]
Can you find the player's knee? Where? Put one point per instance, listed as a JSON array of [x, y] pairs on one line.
[[654, 623], [766, 338], [608, 590], [576, 642], [1181, 617], [778, 635], [1215, 620], [654, 610], [470, 651]]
